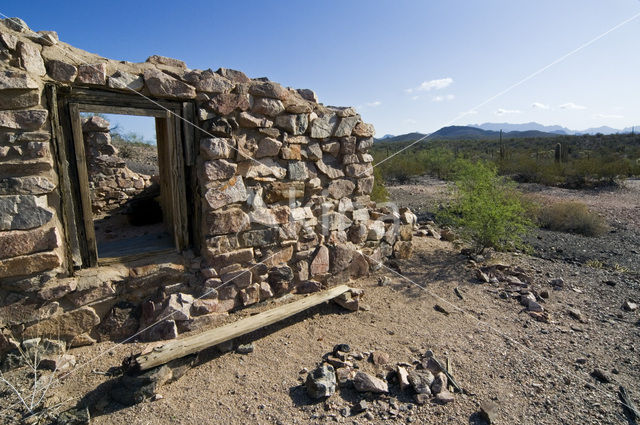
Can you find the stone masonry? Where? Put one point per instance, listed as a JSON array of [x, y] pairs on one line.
[[283, 183]]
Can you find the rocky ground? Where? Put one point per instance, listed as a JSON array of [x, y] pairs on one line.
[[564, 367]]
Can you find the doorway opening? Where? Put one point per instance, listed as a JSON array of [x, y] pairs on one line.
[[127, 196], [125, 185]]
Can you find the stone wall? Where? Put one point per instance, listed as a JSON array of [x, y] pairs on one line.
[[283, 180]]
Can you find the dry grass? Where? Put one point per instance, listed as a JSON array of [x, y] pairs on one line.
[[572, 217]]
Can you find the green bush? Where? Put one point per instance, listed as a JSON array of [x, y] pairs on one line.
[[379, 192], [572, 217], [486, 207]]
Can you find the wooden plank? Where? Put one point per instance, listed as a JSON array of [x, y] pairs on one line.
[[134, 257], [93, 96], [83, 184], [74, 195], [183, 347], [188, 133], [70, 233], [163, 163], [178, 185], [122, 110]]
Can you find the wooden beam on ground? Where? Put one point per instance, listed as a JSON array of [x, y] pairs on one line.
[[183, 347]]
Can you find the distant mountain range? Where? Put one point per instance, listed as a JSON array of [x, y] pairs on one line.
[[549, 128], [488, 131]]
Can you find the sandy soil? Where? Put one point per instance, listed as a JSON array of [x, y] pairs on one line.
[[535, 372], [498, 353]]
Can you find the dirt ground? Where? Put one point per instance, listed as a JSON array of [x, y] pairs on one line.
[[535, 372]]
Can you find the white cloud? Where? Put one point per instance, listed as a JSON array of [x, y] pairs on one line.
[[572, 106], [443, 98], [410, 121], [502, 111], [539, 105], [374, 104], [611, 116], [415, 97], [436, 84]]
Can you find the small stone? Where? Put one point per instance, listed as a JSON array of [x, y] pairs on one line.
[[323, 127], [343, 374], [403, 377], [15, 24], [268, 147], [216, 148], [601, 376], [163, 85], [62, 71], [320, 263], [363, 130], [444, 397], [345, 348], [379, 358], [94, 74], [421, 398], [557, 283], [629, 306], [209, 82], [489, 412], [321, 382], [31, 119], [62, 363], [482, 276], [245, 348], [365, 382], [126, 81], [421, 381], [163, 60], [376, 230], [266, 106], [233, 75], [576, 314], [439, 384], [269, 89], [30, 58]]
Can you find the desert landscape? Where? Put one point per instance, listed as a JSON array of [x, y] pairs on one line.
[[184, 242]]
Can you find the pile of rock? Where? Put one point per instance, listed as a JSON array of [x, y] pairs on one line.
[[429, 229], [343, 369], [42, 353], [516, 283]]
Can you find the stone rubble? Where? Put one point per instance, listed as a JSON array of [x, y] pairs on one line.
[[381, 382]]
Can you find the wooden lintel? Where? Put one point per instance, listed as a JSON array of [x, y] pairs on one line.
[[183, 347]]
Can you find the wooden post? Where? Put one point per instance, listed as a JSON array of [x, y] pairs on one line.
[[83, 183], [183, 347]]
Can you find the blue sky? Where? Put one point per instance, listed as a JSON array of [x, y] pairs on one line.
[[407, 65]]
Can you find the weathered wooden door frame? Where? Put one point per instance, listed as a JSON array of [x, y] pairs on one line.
[[175, 155]]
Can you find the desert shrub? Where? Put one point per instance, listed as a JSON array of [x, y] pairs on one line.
[[486, 207], [379, 192], [572, 217]]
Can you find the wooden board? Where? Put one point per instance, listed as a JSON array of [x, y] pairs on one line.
[[178, 185], [72, 247], [188, 133], [83, 183], [183, 347], [122, 110], [102, 97]]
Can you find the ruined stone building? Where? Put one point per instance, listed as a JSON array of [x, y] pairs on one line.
[[257, 190]]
